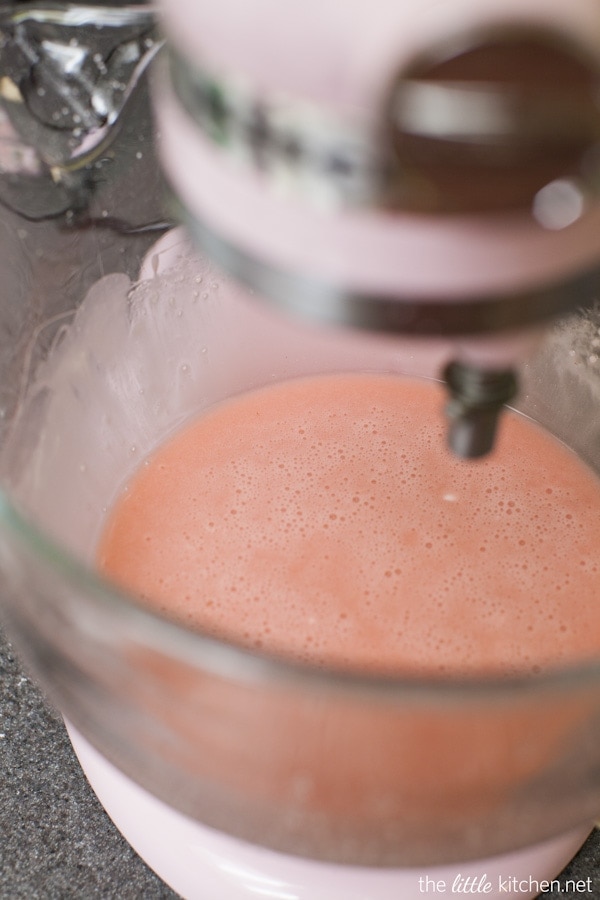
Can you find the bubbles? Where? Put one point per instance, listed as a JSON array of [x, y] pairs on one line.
[[309, 528]]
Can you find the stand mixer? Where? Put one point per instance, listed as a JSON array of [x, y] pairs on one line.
[[323, 159], [418, 183]]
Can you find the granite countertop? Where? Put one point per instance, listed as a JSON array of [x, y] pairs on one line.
[[56, 841]]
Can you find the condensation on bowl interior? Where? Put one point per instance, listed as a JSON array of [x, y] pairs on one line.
[[137, 360]]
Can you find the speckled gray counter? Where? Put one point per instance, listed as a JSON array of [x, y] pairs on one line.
[[56, 842]]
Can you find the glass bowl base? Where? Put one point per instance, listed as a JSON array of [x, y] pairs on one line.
[[199, 862]]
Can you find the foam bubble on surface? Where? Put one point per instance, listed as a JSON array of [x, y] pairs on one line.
[[323, 518]]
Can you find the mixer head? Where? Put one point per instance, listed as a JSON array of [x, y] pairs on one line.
[[441, 186], [427, 173]]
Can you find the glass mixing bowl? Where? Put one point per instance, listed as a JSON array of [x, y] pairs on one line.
[[108, 341]]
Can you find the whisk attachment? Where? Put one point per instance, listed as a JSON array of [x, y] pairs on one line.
[[477, 398]]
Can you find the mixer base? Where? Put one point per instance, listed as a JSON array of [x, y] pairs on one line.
[[200, 863]]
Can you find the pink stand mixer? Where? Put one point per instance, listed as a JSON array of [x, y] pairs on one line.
[[412, 187], [323, 159]]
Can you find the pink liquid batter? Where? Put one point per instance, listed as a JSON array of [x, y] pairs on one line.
[[323, 519]]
